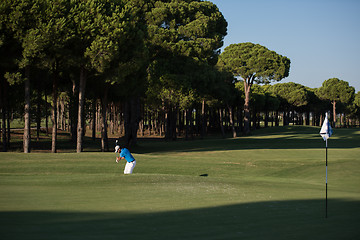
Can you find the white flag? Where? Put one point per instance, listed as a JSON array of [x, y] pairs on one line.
[[326, 130]]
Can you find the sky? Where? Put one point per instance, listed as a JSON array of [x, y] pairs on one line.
[[320, 37]]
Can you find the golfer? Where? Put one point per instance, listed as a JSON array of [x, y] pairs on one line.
[[130, 160]]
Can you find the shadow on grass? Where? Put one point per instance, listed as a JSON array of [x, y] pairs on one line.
[[300, 219], [289, 137], [293, 137]]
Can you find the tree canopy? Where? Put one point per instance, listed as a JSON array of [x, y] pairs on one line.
[[153, 63], [253, 63], [336, 90]]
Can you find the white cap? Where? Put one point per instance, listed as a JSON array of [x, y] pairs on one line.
[[117, 148]]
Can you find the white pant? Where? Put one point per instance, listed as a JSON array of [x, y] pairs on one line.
[[129, 167]]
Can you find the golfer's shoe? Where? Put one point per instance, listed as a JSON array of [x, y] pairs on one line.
[[116, 160]]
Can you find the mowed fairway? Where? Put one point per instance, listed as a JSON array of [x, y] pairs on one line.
[[270, 185]]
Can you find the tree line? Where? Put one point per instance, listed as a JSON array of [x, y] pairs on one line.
[[145, 65]]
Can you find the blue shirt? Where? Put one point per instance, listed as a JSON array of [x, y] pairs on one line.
[[125, 153]]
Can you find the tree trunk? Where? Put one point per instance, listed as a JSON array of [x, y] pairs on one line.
[[266, 118], [180, 127], [3, 130], [189, 120], [276, 118], [149, 122], [186, 119], [62, 114], [93, 120], [203, 119], [98, 118], [73, 112], [131, 121], [231, 116], [240, 120], [247, 88], [80, 124], [166, 121], [221, 122], [121, 121], [141, 126], [307, 118], [58, 116], [3, 113], [104, 135], [254, 118], [27, 136], [46, 115], [113, 118], [321, 118], [334, 112], [38, 115], [173, 124], [170, 123], [54, 115], [8, 121]]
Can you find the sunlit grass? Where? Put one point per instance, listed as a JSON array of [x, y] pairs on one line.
[[269, 185]]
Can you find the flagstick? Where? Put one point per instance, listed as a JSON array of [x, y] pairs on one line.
[[325, 133], [326, 201]]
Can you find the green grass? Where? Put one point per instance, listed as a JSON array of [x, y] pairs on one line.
[[270, 185]]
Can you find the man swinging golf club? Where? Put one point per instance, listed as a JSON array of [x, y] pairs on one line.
[[130, 160]]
